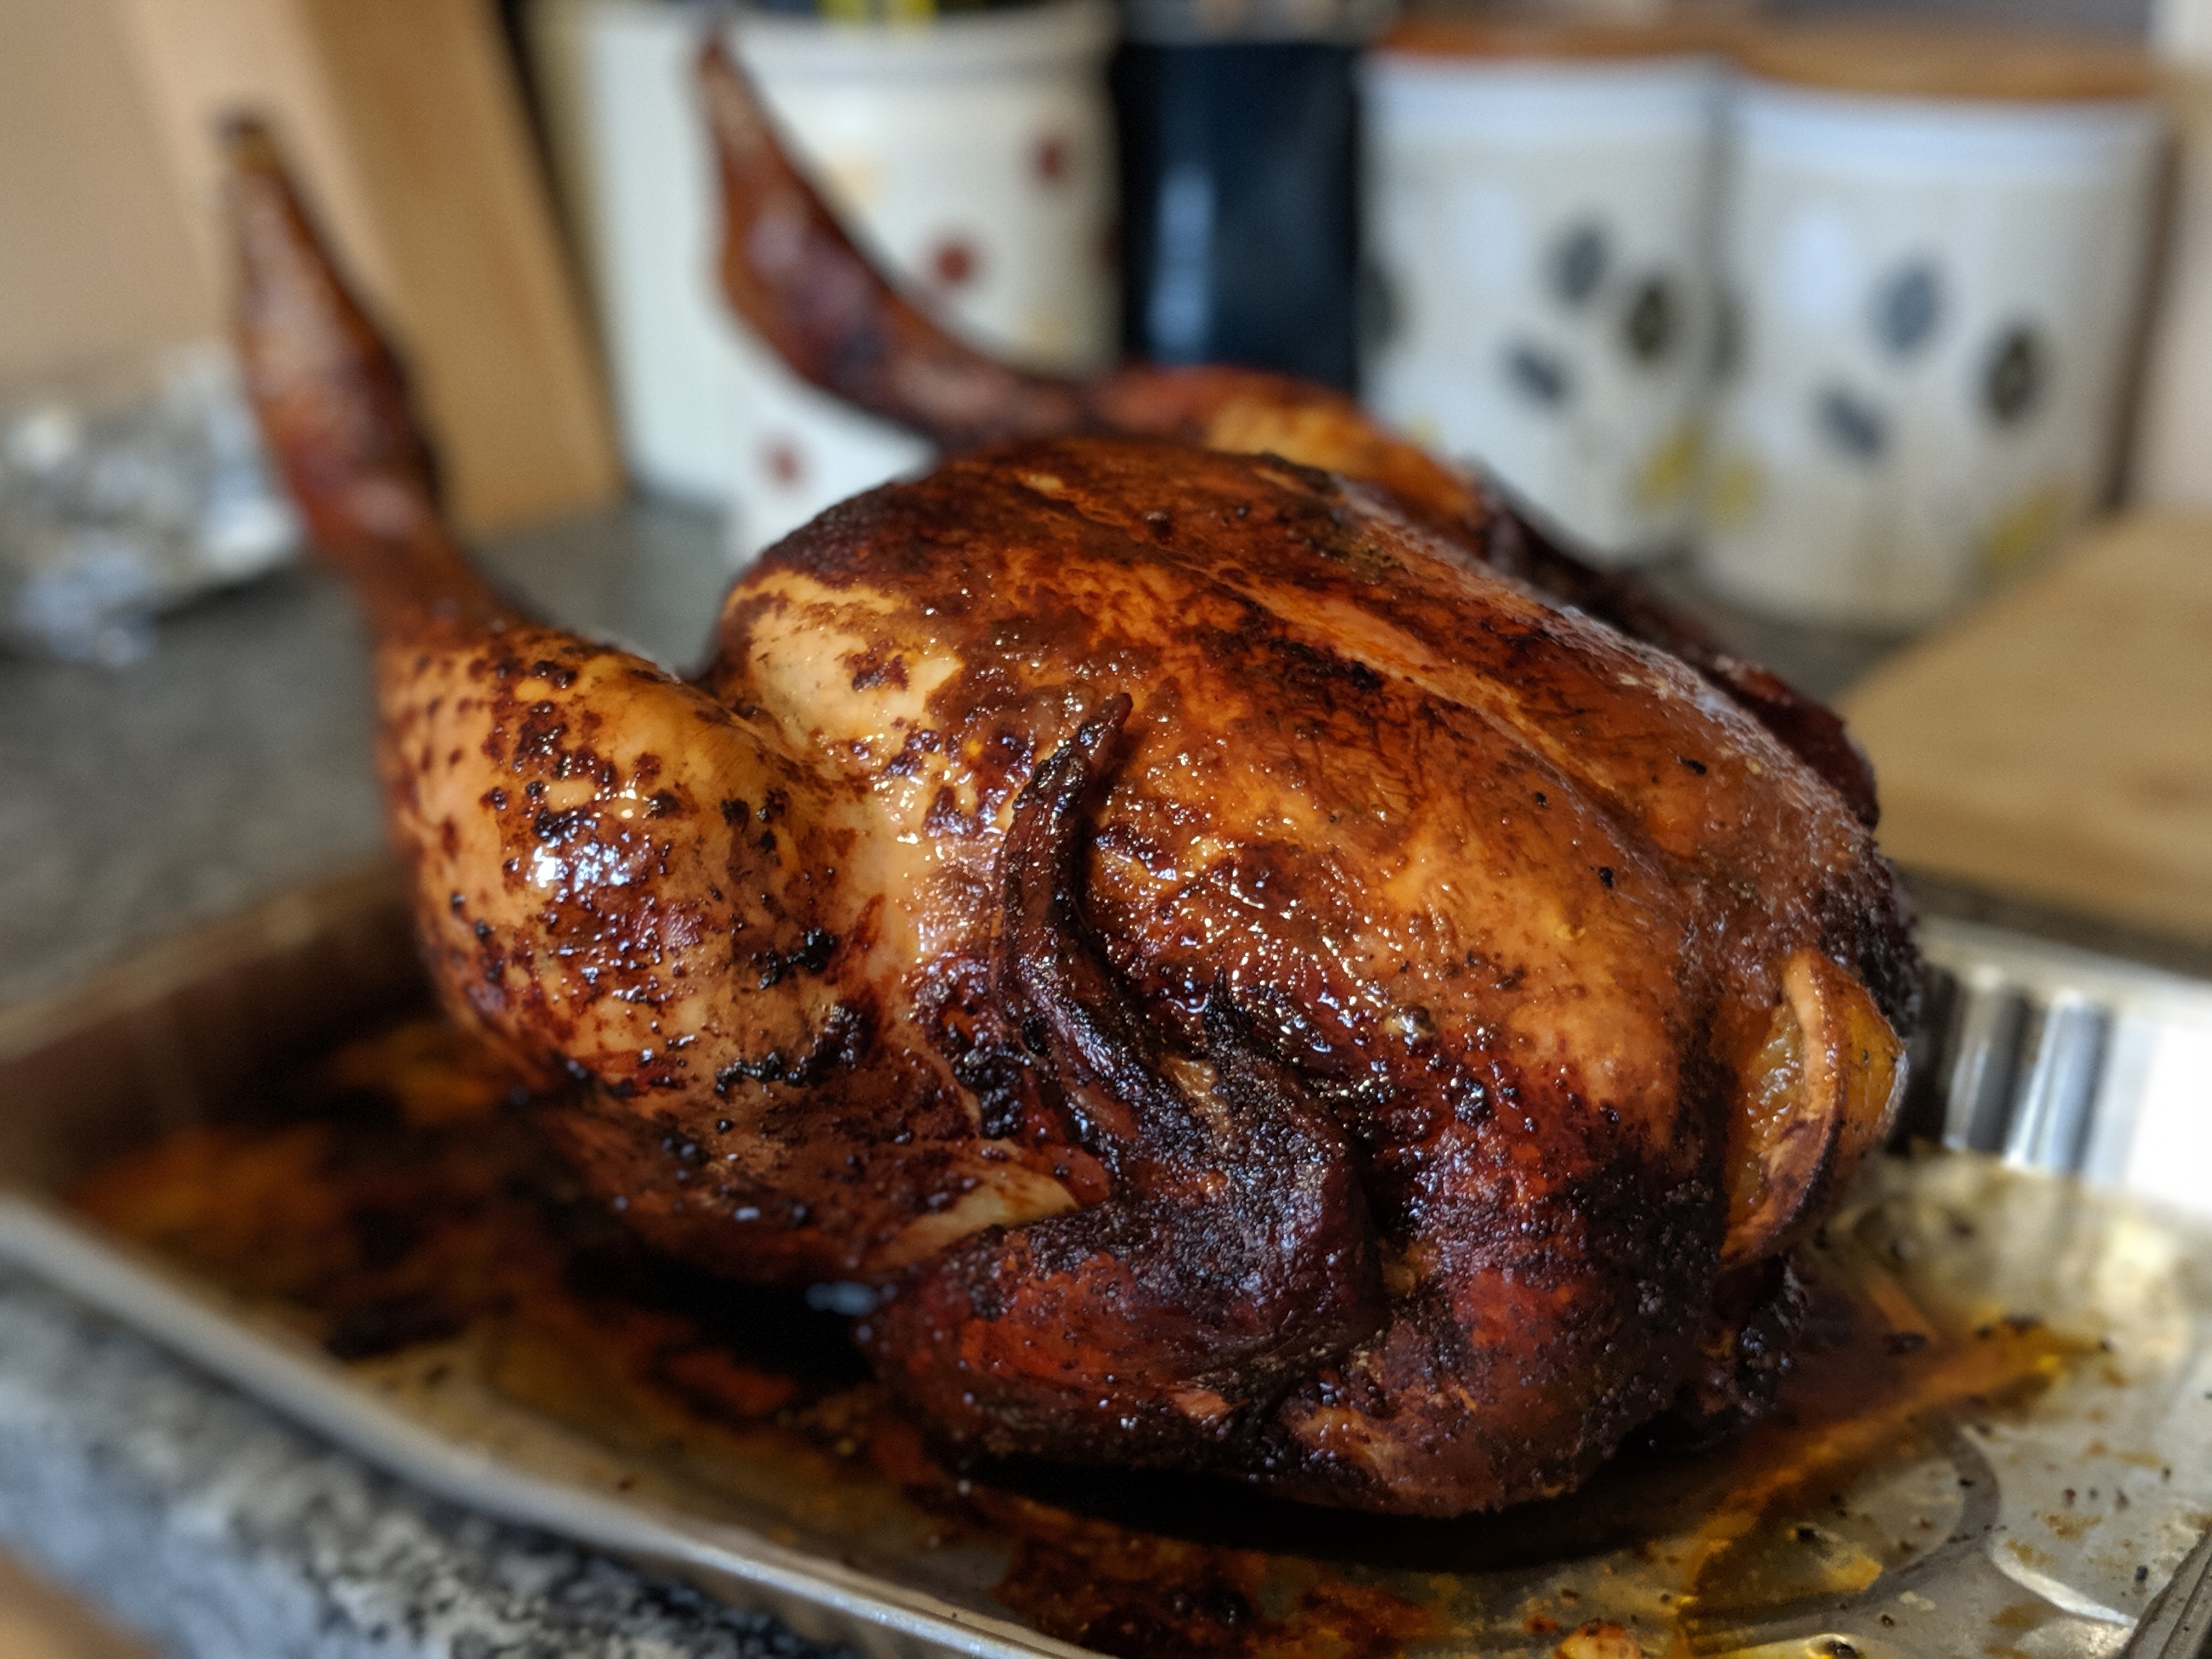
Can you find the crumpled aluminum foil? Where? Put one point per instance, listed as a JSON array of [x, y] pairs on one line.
[[125, 490]]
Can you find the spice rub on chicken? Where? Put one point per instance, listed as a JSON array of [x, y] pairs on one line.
[[1236, 982]]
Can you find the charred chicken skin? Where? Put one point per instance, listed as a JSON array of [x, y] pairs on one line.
[[1240, 983]]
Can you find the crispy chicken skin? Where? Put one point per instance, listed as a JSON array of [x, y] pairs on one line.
[[1247, 985]]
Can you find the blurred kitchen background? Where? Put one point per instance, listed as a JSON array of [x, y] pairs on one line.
[[1880, 336]]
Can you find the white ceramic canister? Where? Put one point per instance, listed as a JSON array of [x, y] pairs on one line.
[[1934, 243], [972, 154], [1538, 210]]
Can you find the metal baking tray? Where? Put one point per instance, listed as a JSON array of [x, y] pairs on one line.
[[2031, 1474]]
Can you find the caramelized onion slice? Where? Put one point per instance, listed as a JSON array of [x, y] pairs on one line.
[[1818, 1096]]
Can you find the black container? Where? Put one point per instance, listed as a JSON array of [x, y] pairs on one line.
[[1239, 223]]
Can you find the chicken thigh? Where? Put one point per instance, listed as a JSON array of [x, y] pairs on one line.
[[1216, 976]]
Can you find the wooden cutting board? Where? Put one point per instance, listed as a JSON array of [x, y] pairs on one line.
[[2056, 744]]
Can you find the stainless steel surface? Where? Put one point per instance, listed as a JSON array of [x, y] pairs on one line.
[[2058, 1058]]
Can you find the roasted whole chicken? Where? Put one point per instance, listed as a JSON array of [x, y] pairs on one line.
[[1208, 958]]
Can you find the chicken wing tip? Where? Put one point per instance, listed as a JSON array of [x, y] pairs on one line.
[[329, 393]]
